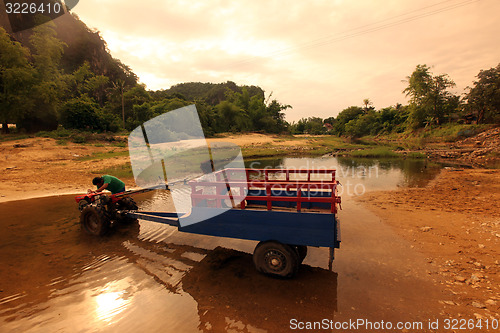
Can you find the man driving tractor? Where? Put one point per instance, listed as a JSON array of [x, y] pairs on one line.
[[110, 183]]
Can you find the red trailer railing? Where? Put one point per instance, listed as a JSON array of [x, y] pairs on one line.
[[266, 185]]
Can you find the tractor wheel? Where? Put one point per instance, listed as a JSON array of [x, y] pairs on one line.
[[82, 204], [127, 204], [277, 259], [301, 251], [94, 221]]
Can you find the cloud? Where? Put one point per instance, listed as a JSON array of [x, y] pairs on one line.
[[319, 56]]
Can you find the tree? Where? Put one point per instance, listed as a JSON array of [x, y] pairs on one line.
[[275, 111], [16, 78], [368, 105], [346, 116], [363, 125], [430, 102], [119, 86], [483, 98], [232, 118], [49, 86], [311, 125], [83, 81]]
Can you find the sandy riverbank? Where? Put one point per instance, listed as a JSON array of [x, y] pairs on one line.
[[455, 223], [37, 167]]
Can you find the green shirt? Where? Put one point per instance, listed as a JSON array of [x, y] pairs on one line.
[[114, 184]]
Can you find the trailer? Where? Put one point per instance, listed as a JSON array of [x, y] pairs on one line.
[[285, 210]]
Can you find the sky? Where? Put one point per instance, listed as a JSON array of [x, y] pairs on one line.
[[319, 56]]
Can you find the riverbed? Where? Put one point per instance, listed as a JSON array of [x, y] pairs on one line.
[[151, 277]]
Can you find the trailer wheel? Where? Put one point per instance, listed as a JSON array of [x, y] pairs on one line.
[[275, 258], [301, 251], [94, 221]]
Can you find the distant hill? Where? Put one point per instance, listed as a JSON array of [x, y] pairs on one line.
[[211, 93], [83, 44]]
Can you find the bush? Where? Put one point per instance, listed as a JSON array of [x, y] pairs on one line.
[[80, 113], [59, 133], [79, 138], [109, 122]]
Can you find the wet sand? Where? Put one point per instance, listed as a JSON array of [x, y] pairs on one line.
[[152, 278], [455, 223]]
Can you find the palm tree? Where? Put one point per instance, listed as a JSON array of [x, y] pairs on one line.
[[120, 85]]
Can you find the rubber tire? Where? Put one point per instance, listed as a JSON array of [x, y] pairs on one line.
[[127, 204], [94, 222], [301, 251], [82, 204], [276, 259]]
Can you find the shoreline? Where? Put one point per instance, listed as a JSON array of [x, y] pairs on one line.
[[35, 167]]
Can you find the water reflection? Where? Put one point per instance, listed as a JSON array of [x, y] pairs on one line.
[[232, 295], [133, 280], [358, 175], [110, 304], [412, 172]]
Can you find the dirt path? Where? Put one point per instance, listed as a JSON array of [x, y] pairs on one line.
[[455, 223]]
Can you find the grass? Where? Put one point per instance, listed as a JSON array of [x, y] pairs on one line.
[[120, 171], [319, 146], [451, 132], [13, 137], [62, 142], [379, 152], [104, 155], [416, 154]]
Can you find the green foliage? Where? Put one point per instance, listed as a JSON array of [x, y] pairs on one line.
[[231, 118], [85, 82], [210, 93], [416, 155], [120, 171], [80, 86], [451, 132], [61, 132], [48, 86], [483, 98], [430, 102], [16, 79], [80, 113], [379, 152], [344, 117], [365, 124], [79, 138]]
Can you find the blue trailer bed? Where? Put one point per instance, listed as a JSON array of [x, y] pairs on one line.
[[285, 214]]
